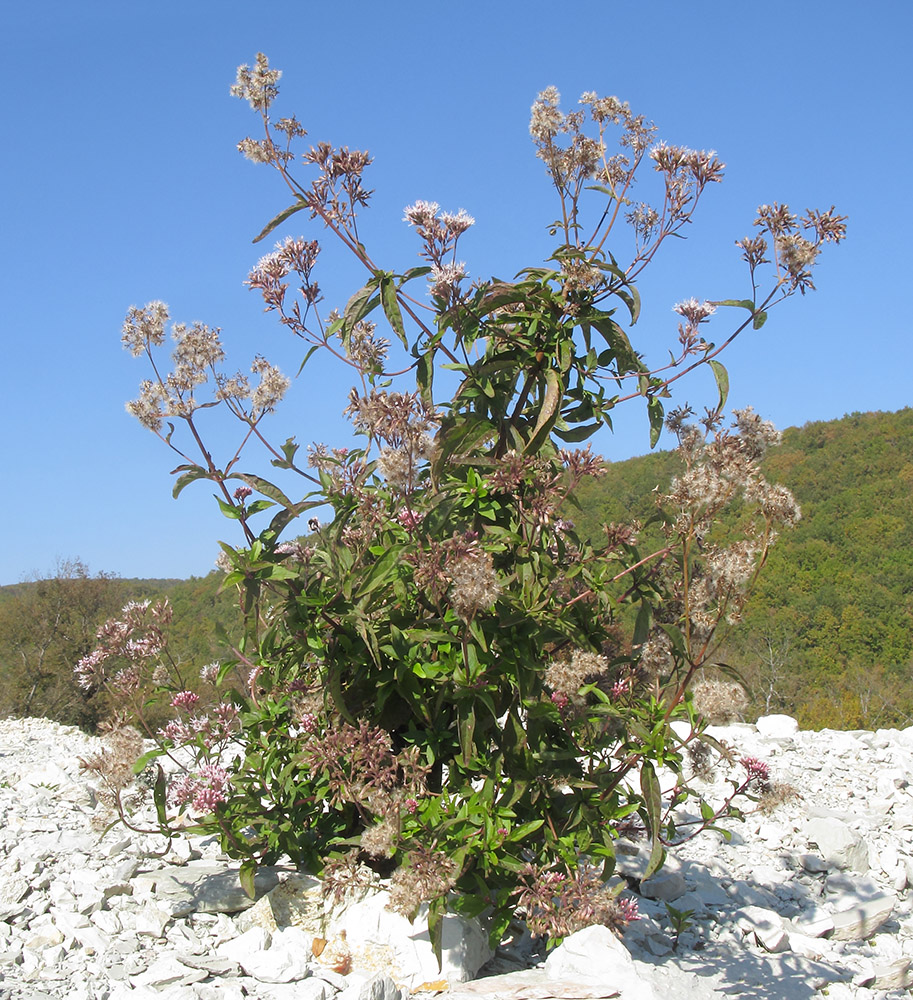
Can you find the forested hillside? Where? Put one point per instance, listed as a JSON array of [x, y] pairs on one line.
[[46, 626], [827, 636]]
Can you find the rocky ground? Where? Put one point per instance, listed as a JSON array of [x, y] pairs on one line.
[[810, 899]]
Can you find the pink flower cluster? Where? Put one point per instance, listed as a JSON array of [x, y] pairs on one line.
[[757, 769], [137, 637], [627, 909], [185, 699], [408, 518], [203, 791], [621, 688], [211, 731]]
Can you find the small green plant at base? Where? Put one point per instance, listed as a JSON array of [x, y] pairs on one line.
[[680, 921], [442, 682]]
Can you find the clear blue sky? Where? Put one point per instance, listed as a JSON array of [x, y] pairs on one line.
[[121, 184]]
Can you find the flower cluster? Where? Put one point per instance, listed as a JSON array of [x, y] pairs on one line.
[[427, 874], [198, 350], [362, 768], [567, 677], [137, 637], [795, 253], [402, 423], [556, 904], [269, 273], [257, 85], [439, 232], [203, 791]]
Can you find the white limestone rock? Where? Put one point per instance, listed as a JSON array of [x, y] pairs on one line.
[[372, 932], [766, 926], [595, 955], [666, 884], [863, 918], [777, 726], [378, 987], [837, 843]]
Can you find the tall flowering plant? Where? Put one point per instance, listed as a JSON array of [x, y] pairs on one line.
[[441, 682]]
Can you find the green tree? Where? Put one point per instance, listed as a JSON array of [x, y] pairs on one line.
[[45, 628]]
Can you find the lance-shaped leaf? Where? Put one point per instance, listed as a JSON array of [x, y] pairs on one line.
[[280, 218], [391, 308], [466, 730], [246, 877], [265, 487], [738, 303], [189, 474], [656, 414], [722, 380], [548, 411], [649, 786], [229, 509], [159, 795], [381, 573], [576, 434], [361, 303]]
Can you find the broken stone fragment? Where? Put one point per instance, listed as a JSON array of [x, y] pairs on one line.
[[595, 955], [837, 843], [863, 918]]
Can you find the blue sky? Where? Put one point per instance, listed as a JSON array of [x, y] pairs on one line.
[[122, 185]]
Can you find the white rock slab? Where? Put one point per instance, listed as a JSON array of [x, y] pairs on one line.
[[864, 918], [838, 844], [595, 955], [777, 726]]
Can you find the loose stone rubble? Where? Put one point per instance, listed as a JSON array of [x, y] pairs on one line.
[[813, 896]]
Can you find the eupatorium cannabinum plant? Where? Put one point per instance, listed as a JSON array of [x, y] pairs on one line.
[[441, 683]]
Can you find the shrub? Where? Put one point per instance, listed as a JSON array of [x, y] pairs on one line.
[[442, 681]]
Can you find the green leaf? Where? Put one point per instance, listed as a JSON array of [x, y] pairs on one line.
[[381, 573], [649, 786], [246, 876], [642, 624], [265, 487], [722, 380], [141, 762], [467, 728], [618, 340], [738, 303], [578, 433], [304, 361], [391, 308], [230, 510], [436, 928], [601, 188], [280, 218], [289, 449], [259, 505], [190, 474], [550, 404], [159, 796], [360, 304], [525, 829], [424, 376], [656, 414], [415, 272], [759, 320], [631, 298]]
